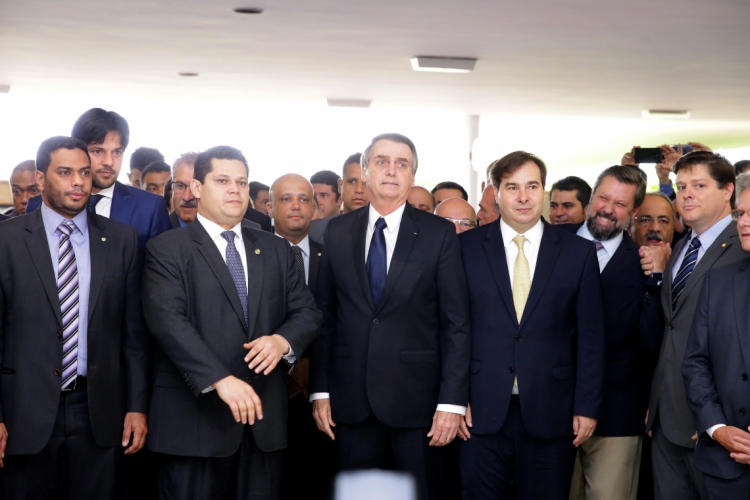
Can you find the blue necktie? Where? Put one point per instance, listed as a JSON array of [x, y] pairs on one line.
[[377, 262], [234, 263], [686, 269], [93, 200]]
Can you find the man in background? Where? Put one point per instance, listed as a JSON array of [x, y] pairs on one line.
[[155, 177], [259, 196], [184, 206], [326, 186], [23, 186], [488, 211], [421, 199], [569, 198], [654, 221], [444, 190], [459, 212], [351, 186], [138, 161]]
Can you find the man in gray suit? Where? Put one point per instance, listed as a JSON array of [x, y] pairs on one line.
[[717, 362], [705, 198]]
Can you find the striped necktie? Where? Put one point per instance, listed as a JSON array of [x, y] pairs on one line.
[[686, 269], [67, 291]]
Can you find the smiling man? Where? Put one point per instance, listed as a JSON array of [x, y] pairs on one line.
[[654, 221]]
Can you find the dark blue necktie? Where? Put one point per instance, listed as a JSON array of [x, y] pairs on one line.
[[686, 269], [234, 263], [377, 262], [93, 200]]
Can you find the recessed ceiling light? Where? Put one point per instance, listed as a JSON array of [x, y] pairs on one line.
[[188, 73], [4, 89], [665, 114], [248, 10], [349, 103], [443, 64]]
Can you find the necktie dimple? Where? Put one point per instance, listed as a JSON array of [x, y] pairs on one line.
[[67, 291], [297, 251], [598, 245], [234, 263], [377, 261], [93, 200], [686, 269]]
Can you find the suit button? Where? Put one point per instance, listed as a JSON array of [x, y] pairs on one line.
[[742, 412], [744, 377], [375, 321], [57, 372], [511, 370], [59, 334], [669, 327], [518, 337]]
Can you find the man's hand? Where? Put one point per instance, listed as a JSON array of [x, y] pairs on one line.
[[322, 416], [241, 399], [654, 258], [670, 156], [743, 444], [135, 428], [583, 428], [725, 437], [444, 427], [299, 379], [466, 422], [629, 157], [266, 352], [697, 146], [3, 444]]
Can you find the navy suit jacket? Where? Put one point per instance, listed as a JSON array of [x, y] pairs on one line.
[[558, 350], [144, 211], [3, 217], [717, 363]]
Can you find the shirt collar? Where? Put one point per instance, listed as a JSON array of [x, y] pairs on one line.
[[108, 192], [303, 245], [52, 220], [713, 232], [214, 230], [533, 235], [393, 219], [611, 245]]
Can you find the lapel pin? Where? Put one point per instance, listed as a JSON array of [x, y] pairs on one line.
[[723, 245], [257, 251], [104, 239], [320, 254], [415, 233]]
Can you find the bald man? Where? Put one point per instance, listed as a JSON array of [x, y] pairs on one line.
[[488, 209], [23, 186], [459, 212], [421, 199]]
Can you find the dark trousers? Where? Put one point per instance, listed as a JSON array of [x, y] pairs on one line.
[[675, 474], [71, 466], [249, 474], [368, 444], [726, 489], [499, 466]]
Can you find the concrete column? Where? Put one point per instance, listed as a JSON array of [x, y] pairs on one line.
[[472, 124]]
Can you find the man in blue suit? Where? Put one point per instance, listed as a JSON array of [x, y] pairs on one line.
[[537, 335], [107, 135]]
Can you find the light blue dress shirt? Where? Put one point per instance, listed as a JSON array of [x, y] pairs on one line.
[[707, 239]]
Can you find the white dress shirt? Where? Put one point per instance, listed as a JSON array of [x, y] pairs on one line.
[[610, 246], [104, 207], [303, 245], [393, 221]]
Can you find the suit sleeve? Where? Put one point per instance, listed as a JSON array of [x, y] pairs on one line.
[[651, 321], [697, 370], [590, 343], [160, 220], [455, 339], [165, 307], [325, 296], [2, 342], [137, 347]]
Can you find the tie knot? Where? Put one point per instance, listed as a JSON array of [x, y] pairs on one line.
[[519, 241], [229, 236], [696, 242], [599, 245], [94, 199], [67, 227], [380, 224], [296, 250]]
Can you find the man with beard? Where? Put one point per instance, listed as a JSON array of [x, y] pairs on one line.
[[654, 222], [107, 134], [608, 464]]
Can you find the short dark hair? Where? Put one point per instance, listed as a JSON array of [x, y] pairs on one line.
[[49, 146], [143, 156], [327, 177], [355, 158], [256, 187], [24, 166], [626, 175], [155, 166], [508, 164], [718, 167], [573, 183], [203, 162], [451, 185], [365, 160], [93, 126], [741, 167]]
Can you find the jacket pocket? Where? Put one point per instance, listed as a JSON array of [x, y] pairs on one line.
[[342, 351], [421, 356], [564, 372]]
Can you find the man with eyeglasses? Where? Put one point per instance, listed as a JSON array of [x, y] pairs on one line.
[[459, 212], [654, 221], [184, 205]]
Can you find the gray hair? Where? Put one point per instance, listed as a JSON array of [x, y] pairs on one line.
[[186, 158], [665, 198], [395, 138], [741, 183]]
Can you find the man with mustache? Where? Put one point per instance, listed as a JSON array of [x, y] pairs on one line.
[[654, 221], [185, 208], [608, 464]]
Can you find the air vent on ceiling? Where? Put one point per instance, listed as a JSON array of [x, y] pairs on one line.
[[665, 114], [349, 103], [443, 64]]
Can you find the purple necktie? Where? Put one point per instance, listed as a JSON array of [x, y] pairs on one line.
[[234, 263], [599, 245], [67, 291]]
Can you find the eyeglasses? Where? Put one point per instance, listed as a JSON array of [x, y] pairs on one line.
[[462, 223], [646, 220], [179, 187], [737, 214]]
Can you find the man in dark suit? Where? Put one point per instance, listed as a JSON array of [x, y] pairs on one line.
[[538, 347], [75, 360], [259, 218], [716, 367], [390, 370], [705, 197], [225, 305], [608, 463], [3, 217], [107, 135]]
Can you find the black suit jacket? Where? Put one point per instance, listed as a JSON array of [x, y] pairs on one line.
[[402, 359], [3, 217], [717, 363], [193, 311], [316, 254], [31, 326], [259, 218], [558, 350]]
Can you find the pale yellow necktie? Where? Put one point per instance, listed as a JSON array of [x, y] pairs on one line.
[[521, 278]]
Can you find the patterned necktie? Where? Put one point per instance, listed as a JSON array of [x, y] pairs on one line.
[[521, 278], [686, 269], [377, 262], [93, 200], [297, 251], [67, 292], [234, 263], [598, 245]]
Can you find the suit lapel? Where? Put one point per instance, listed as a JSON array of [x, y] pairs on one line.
[[316, 252], [545, 264], [36, 242], [98, 253], [359, 235], [620, 259], [407, 235], [255, 260], [494, 247], [123, 205], [666, 288], [742, 312]]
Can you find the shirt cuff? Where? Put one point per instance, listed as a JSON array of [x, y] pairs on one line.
[[667, 189], [710, 431], [208, 389], [319, 395], [461, 410], [289, 357]]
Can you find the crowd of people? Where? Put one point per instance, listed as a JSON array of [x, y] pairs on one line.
[[196, 335]]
